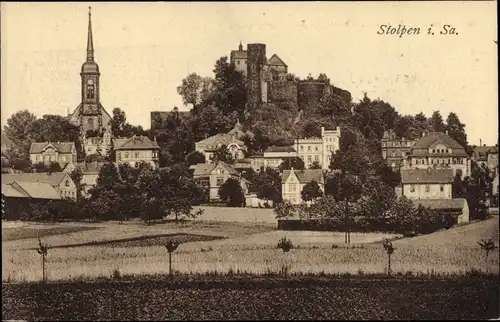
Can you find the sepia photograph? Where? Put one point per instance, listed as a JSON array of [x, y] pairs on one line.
[[249, 160]]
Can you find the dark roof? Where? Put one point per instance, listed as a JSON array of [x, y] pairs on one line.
[[454, 204], [54, 179], [135, 143], [423, 144], [428, 175], [280, 149], [275, 61], [304, 176], [61, 147]]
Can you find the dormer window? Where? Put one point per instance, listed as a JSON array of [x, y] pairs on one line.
[[66, 183]]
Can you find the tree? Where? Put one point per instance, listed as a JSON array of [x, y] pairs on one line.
[[118, 123], [311, 191], [437, 122], [222, 154], [77, 176], [18, 126], [315, 165], [229, 91], [18, 159], [401, 216], [54, 167], [39, 167], [293, 162], [323, 78], [335, 106], [195, 157], [456, 129], [231, 193], [267, 185], [284, 210], [344, 187], [195, 89]]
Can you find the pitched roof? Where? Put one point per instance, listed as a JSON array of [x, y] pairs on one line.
[[205, 169], [276, 61], [280, 149], [9, 191], [455, 204], [61, 147], [54, 179], [37, 190], [220, 139], [304, 176], [239, 54], [428, 140], [428, 175], [90, 167], [135, 143]]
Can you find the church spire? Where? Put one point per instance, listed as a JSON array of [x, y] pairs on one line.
[[90, 43], [240, 47]]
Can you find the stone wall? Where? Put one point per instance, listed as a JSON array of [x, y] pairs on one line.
[[282, 91], [310, 93], [256, 58]]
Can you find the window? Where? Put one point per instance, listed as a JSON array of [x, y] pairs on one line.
[[316, 158], [292, 187], [220, 182], [441, 188], [66, 183], [316, 149], [155, 154], [309, 159], [301, 148], [126, 155], [38, 157], [237, 62], [90, 88], [433, 150], [427, 188], [309, 148], [63, 158], [136, 155], [412, 188]]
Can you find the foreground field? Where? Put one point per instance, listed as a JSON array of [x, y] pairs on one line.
[[248, 248], [236, 299]]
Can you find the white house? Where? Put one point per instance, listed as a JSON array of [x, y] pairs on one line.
[[293, 181]]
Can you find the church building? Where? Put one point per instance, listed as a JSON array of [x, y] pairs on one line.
[[90, 116]]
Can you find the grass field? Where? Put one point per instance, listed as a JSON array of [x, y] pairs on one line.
[[225, 246], [254, 298]]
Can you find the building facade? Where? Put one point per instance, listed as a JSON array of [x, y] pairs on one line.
[[135, 150], [232, 140], [90, 173], [439, 150], [427, 183], [395, 151], [213, 175], [293, 181], [319, 150], [486, 156], [60, 181], [46, 152], [90, 116]]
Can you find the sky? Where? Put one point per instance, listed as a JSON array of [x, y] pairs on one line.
[[144, 50]]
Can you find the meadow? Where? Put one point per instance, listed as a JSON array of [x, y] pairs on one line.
[[93, 250]]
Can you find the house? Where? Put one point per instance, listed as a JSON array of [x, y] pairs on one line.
[[47, 152], [439, 150], [101, 144], [458, 208], [17, 197], [427, 183], [214, 174], [232, 140], [395, 150], [275, 155], [136, 149], [60, 181], [486, 156], [293, 181], [90, 172], [318, 149]]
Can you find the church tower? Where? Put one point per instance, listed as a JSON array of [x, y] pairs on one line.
[[90, 114]]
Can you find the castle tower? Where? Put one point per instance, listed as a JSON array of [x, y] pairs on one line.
[[90, 114], [256, 59]]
